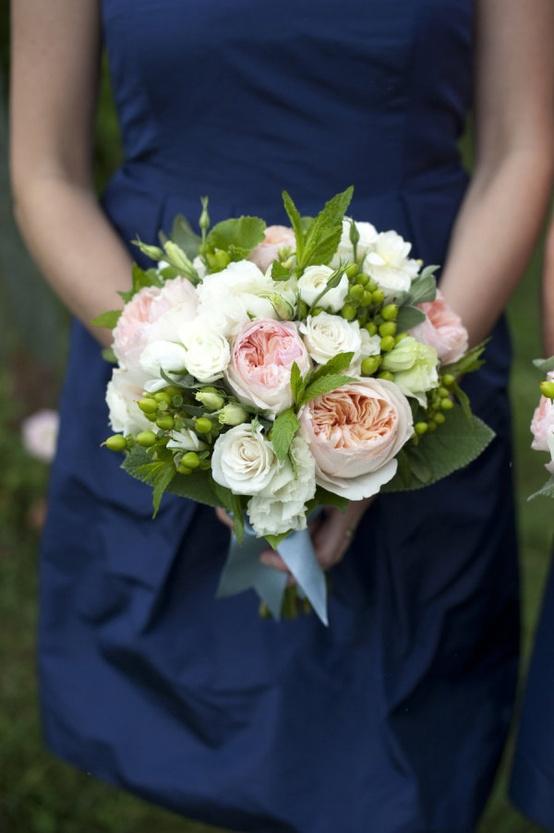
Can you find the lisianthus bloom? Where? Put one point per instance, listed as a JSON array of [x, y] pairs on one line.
[[261, 360], [276, 238], [414, 366], [231, 297], [389, 264], [355, 433], [442, 329]]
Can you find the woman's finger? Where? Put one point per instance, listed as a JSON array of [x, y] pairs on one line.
[[224, 517], [272, 559]]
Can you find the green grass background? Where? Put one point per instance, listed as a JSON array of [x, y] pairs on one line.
[[41, 795]]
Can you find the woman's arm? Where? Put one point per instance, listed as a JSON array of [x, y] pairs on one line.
[[55, 69], [502, 213], [548, 293]]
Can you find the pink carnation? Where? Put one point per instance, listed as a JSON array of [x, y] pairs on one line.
[[442, 329], [276, 238], [167, 307], [261, 360], [355, 433]]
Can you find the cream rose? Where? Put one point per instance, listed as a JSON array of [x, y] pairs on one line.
[[355, 433], [261, 360], [281, 506], [327, 335], [276, 238], [243, 460], [207, 351], [313, 281]]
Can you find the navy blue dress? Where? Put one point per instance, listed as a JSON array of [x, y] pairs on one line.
[[532, 784], [393, 719]]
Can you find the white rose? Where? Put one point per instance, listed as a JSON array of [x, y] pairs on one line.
[[123, 391], [207, 352], [281, 506], [326, 335], [345, 251], [312, 283], [162, 355], [243, 460], [186, 440], [388, 263], [235, 295]]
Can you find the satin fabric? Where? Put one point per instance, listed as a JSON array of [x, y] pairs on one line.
[[392, 719]]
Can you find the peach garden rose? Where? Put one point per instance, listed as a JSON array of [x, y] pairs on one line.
[[355, 433], [262, 356]]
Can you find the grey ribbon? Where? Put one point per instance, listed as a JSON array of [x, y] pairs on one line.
[[243, 570]]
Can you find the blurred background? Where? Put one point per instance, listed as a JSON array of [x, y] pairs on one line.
[[37, 793]]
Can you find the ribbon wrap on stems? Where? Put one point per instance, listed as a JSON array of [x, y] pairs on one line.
[[244, 570]]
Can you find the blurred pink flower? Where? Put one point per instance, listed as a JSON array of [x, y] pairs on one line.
[[39, 434], [442, 329], [276, 238]]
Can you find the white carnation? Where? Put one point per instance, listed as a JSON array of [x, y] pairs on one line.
[[243, 460], [232, 297], [312, 283], [388, 263], [326, 335], [281, 506], [207, 351], [345, 251], [123, 391]]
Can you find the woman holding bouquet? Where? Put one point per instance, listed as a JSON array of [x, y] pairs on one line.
[[394, 718]]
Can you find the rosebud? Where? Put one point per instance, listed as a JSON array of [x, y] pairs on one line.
[[211, 401], [232, 414], [177, 257]]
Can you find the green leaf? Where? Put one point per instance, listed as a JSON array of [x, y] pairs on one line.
[[326, 498], [325, 385], [296, 223], [237, 236], [282, 434], [107, 319], [324, 233], [337, 364], [186, 238], [198, 486], [469, 363], [423, 288], [279, 272], [297, 383], [463, 400], [140, 278], [155, 473], [451, 447], [409, 317], [275, 540], [233, 504], [545, 491], [109, 356], [546, 365]]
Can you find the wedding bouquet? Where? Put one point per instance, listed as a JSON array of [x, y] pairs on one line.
[[542, 425], [274, 371]]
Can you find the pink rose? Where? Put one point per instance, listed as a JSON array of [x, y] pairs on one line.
[[542, 426], [40, 433], [261, 359], [154, 313], [442, 329], [355, 433], [276, 238]]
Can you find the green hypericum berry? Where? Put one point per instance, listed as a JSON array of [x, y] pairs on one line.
[[352, 270], [191, 460], [146, 439], [183, 469], [390, 312], [370, 364], [348, 312], [547, 389], [302, 310], [448, 379], [439, 418], [386, 375], [203, 425], [443, 392], [446, 404], [387, 329], [148, 405], [162, 396], [116, 442], [378, 296], [400, 337], [387, 344], [356, 292], [372, 285], [362, 279], [371, 327], [367, 298], [421, 428], [165, 422]]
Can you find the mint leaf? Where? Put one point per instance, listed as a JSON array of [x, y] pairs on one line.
[[107, 319], [545, 491], [469, 363], [423, 288], [337, 364], [296, 223], [140, 278], [463, 400], [451, 447], [155, 473], [186, 238], [325, 385], [297, 383], [279, 272], [198, 486], [282, 434], [409, 317], [237, 236], [324, 233], [546, 365]]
